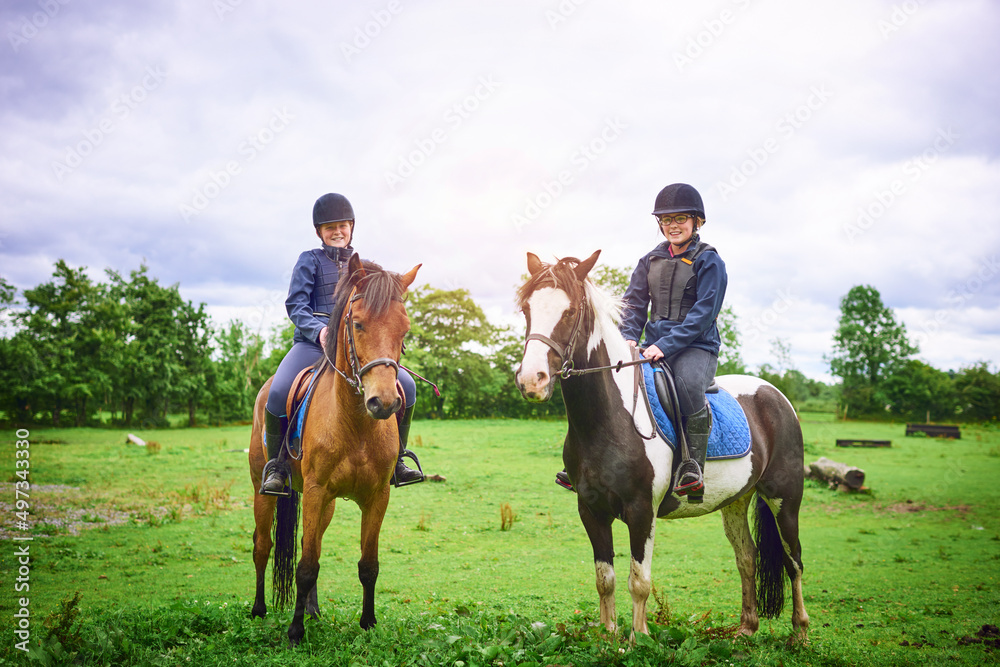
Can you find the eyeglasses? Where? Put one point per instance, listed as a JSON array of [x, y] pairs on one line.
[[678, 219]]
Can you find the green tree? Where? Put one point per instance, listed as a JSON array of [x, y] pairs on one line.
[[193, 357], [730, 356], [783, 374], [917, 391], [978, 393], [613, 280], [54, 324], [869, 346], [450, 342], [236, 374]]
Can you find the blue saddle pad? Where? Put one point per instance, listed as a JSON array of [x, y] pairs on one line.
[[730, 436]]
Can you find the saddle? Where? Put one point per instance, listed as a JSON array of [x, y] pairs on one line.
[[297, 407], [729, 431]]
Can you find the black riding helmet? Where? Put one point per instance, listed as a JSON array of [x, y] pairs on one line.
[[679, 198], [332, 207]]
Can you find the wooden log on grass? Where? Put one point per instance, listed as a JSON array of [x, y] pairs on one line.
[[847, 478], [135, 440], [864, 443], [935, 430]]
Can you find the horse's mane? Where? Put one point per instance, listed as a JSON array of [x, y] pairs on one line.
[[378, 287], [606, 308], [559, 275]]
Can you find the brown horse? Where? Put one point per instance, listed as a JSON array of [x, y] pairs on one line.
[[349, 444], [621, 467]]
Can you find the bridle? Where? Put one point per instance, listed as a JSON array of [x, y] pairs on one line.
[[354, 363], [565, 353]]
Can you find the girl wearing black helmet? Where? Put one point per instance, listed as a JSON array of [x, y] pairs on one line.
[[309, 302], [676, 294]]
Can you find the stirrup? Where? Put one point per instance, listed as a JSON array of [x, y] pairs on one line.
[[407, 454], [286, 489], [562, 479], [696, 484]]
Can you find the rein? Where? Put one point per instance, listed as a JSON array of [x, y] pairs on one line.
[[568, 369], [352, 352]]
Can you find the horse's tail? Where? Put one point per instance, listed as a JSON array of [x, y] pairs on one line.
[[286, 527], [770, 562]]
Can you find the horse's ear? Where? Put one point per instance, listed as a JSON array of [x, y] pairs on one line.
[[534, 264], [584, 267], [354, 266], [407, 278]]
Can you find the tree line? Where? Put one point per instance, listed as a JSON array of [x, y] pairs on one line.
[[130, 351]]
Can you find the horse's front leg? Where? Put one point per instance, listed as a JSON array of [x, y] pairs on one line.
[[312, 601], [602, 541], [314, 505], [372, 514], [642, 530], [263, 514], [734, 519]]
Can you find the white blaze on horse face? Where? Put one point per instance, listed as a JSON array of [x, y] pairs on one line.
[[546, 306]]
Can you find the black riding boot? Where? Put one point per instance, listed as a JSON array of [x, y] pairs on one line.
[[404, 475], [562, 479], [275, 472], [690, 479]]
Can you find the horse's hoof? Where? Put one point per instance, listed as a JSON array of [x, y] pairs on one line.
[[368, 623], [295, 636], [258, 613]]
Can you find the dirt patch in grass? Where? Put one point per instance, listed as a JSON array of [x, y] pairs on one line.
[[61, 509], [911, 507], [66, 509]]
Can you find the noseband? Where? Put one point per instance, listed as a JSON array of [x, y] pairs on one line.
[[354, 363], [565, 354]]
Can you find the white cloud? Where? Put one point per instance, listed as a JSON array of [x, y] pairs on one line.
[[819, 109]]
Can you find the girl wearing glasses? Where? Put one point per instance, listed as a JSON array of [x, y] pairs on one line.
[[676, 294]]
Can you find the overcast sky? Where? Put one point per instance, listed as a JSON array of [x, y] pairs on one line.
[[834, 144]]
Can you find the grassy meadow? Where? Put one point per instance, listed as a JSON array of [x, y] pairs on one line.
[[143, 556]]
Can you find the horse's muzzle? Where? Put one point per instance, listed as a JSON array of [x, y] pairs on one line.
[[536, 388], [379, 409]]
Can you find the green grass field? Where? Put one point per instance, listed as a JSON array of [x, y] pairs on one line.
[[158, 546]]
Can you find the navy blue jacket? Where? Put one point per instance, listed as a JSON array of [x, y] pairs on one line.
[[698, 328], [305, 293]]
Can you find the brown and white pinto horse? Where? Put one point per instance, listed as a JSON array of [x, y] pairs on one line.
[[349, 443], [620, 474]]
